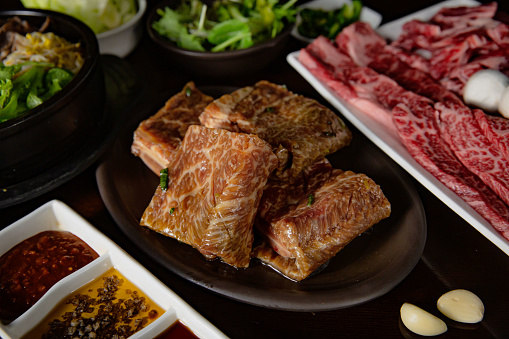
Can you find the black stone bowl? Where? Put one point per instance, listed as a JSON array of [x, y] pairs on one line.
[[43, 136], [218, 64]]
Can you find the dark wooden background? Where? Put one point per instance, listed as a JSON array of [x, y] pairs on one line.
[[455, 255]]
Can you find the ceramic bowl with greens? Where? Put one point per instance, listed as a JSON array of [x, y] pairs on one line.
[[224, 37]]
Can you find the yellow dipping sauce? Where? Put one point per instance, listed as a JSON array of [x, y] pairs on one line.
[[107, 306]]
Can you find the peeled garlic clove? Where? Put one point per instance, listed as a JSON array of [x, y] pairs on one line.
[[484, 89], [421, 322], [461, 305], [503, 105]]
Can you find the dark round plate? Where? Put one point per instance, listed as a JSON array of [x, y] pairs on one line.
[[120, 84], [367, 268]]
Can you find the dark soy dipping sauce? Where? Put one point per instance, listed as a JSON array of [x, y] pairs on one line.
[[177, 331]]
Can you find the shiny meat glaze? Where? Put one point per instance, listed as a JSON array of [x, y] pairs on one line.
[[280, 195], [156, 139], [300, 130], [311, 232], [214, 187]]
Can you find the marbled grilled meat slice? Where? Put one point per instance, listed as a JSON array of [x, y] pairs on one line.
[[214, 187], [157, 138], [326, 209], [280, 195], [300, 130]]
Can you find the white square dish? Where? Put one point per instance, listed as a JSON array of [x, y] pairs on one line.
[[55, 215], [367, 15], [390, 143]]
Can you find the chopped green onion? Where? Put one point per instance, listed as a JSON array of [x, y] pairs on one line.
[[163, 179], [311, 199]]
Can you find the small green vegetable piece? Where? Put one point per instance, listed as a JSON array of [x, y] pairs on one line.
[[163, 179], [311, 199], [188, 92], [172, 210]]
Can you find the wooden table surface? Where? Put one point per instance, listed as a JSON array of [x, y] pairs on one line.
[[455, 254]]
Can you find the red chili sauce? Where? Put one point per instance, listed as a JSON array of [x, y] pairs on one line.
[[30, 268], [177, 331]]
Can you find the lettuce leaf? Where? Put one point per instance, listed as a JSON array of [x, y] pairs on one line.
[[99, 15]]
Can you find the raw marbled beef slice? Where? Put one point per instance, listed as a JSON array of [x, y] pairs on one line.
[[496, 129], [461, 131], [421, 136], [334, 68]]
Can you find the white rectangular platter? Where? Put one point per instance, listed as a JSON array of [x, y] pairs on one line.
[[55, 215], [390, 143]]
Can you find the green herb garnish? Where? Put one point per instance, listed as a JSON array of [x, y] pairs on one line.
[[163, 179], [311, 199]]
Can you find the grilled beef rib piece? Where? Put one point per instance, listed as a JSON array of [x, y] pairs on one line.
[[299, 129], [214, 187], [308, 221], [157, 138]]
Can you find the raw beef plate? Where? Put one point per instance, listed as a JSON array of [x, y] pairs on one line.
[[413, 87]]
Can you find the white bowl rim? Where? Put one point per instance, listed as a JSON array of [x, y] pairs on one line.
[[142, 7]]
